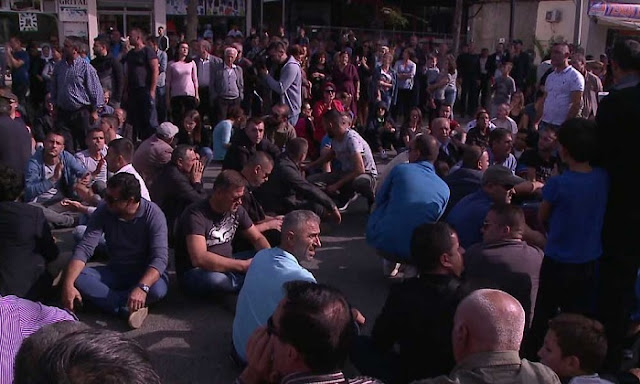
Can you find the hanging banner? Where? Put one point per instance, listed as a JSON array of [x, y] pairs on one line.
[[618, 10], [28, 22], [234, 8]]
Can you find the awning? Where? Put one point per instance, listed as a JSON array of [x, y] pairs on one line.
[[614, 13]]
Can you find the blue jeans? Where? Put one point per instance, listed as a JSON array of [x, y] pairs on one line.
[[108, 287], [206, 155], [200, 282], [450, 94]]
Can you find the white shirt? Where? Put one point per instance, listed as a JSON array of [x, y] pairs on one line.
[[408, 69], [559, 86], [144, 192], [508, 124]]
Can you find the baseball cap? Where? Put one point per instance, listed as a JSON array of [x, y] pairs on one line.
[[167, 130], [499, 174], [6, 93]]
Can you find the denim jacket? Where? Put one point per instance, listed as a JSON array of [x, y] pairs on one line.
[[36, 183]]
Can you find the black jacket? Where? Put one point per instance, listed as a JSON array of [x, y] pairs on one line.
[[418, 316], [173, 192], [287, 188], [15, 145], [242, 149], [110, 74], [492, 62], [26, 245]]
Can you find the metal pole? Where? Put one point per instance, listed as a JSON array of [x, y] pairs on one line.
[[512, 21], [261, 16], [577, 31]]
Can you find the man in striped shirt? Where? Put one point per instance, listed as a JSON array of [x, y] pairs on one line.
[[19, 318], [77, 94], [306, 341]]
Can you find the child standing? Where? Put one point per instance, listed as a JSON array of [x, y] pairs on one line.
[[572, 210]]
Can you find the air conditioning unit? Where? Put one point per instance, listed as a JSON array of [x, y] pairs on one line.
[[553, 16]]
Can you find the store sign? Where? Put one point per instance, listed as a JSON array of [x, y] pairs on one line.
[[226, 8], [75, 29], [614, 9], [25, 5], [28, 22], [73, 10]]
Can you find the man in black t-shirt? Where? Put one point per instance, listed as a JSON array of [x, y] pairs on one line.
[[141, 77], [205, 262], [538, 164]]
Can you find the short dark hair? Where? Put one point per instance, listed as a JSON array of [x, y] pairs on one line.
[[122, 147], [426, 146], [578, 137], [428, 242], [332, 115], [127, 184], [235, 112], [278, 44], [11, 184], [626, 53], [76, 43], [34, 346], [96, 356], [94, 130], [103, 41], [152, 39], [498, 134], [297, 146], [254, 121], [180, 152], [582, 337], [471, 154], [259, 158], [112, 120], [316, 320], [228, 179], [510, 215]]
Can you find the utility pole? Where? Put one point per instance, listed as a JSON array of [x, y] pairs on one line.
[[512, 21], [577, 31], [457, 26]]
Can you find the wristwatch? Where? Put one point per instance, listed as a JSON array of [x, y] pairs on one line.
[[144, 287]]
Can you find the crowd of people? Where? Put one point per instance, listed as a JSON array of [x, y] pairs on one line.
[[509, 235]]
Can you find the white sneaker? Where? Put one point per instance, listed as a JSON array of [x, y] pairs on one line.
[[351, 200], [389, 268]]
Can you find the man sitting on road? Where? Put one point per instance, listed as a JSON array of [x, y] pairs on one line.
[[287, 190], [466, 179], [119, 158], [418, 313], [179, 184], [93, 158], [412, 194], [135, 230], [468, 216], [256, 171], [205, 262], [487, 333], [358, 171], [51, 175], [246, 142], [270, 269], [504, 260], [154, 153], [306, 340]]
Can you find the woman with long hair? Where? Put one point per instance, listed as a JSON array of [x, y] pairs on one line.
[[223, 131], [411, 127], [191, 134], [298, 53], [319, 72], [383, 83], [182, 84], [445, 89], [517, 107], [345, 77], [479, 134]]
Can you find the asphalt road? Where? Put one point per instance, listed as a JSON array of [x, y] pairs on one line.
[[189, 340]]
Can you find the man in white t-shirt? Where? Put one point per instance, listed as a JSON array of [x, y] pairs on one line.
[[93, 158], [563, 89], [119, 158]]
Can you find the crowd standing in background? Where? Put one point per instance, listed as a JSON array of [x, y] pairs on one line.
[[506, 209]]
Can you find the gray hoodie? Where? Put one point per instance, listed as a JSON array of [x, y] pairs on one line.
[[289, 87]]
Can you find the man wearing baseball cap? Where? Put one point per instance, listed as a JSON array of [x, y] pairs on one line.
[[155, 152], [497, 187]]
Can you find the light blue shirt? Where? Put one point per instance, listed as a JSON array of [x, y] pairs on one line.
[[262, 291], [221, 138]]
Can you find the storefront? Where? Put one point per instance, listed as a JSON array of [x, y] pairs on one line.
[[31, 20], [215, 17], [621, 19]]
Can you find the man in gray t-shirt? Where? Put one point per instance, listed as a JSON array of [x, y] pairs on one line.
[[357, 173]]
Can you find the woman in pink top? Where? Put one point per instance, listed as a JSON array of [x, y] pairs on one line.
[[182, 84]]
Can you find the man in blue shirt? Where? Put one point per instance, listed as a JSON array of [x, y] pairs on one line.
[[135, 230], [467, 217], [18, 60], [270, 269], [412, 194]]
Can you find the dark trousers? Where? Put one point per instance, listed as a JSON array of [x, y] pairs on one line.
[[564, 287], [370, 361], [74, 126], [485, 92], [221, 106], [161, 105], [204, 108], [404, 103], [142, 113], [469, 96], [20, 90], [180, 105]]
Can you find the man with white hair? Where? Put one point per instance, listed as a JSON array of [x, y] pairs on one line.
[[227, 84], [487, 333], [206, 64]]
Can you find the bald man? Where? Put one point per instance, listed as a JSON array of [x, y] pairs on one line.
[[487, 333]]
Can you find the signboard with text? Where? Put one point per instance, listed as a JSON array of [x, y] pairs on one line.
[[73, 10]]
